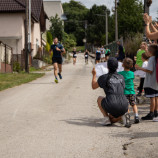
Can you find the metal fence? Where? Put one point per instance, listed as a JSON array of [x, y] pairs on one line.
[[5, 58]]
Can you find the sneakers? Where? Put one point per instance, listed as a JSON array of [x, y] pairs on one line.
[[136, 119], [155, 119], [59, 74], [149, 116], [105, 122], [126, 120], [56, 80]]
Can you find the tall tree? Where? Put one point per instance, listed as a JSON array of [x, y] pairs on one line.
[[130, 17], [56, 27], [76, 14]]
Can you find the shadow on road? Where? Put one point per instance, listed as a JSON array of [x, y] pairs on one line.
[[91, 122]]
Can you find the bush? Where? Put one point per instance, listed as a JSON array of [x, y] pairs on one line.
[[132, 44], [16, 67]]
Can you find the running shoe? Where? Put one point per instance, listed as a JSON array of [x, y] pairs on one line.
[[136, 119], [105, 122], [56, 80], [149, 116], [126, 120], [155, 119], [59, 74]]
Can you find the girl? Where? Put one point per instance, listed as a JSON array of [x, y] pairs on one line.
[[98, 55], [142, 74], [151, 83], [74, 56], [115, 104], [86, 56]]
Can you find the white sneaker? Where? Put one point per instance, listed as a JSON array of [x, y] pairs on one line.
[[155, 119], [126, 120], [105, 121]]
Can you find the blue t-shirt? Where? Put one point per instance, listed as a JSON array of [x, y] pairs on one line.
[[56, 54], [98, 53]]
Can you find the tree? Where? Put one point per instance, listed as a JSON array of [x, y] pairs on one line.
[[130, 19], [49, 38], [96, 29], [76, 14], [56, 27]]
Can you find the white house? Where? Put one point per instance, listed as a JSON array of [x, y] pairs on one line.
[[12, 24]]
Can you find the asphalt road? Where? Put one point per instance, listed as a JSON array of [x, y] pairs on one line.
[[42, 119]]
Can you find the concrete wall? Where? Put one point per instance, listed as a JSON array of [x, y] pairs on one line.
[[52, 7], [12, 31]]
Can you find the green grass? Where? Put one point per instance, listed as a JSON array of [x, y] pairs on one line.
[[78, 48], [12, 80]]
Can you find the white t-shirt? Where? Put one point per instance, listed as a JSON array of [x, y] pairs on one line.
[[141, 73]]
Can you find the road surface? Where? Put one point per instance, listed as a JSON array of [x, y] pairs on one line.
[[42, 119]]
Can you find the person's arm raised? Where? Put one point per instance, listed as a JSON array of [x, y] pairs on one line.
[[154, 35], [95, 84]]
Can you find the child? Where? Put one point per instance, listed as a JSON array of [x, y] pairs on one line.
[[142, 74], [139, 62], [129, 85], [115, 104], [151, 83]]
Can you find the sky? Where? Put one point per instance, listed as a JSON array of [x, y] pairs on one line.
[[110, 4]]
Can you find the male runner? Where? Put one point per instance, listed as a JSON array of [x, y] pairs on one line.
[[58, 50]]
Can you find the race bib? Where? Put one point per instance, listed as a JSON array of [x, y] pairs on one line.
[[86, 56]]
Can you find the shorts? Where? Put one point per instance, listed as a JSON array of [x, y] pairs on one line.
[[115, 105], [131, 99], [57, 60], [102, 55], [108, 54], [150, 93], [75, 57], [97, 58]]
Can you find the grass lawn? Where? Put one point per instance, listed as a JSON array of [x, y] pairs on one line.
[[11, 80], [78, 48]]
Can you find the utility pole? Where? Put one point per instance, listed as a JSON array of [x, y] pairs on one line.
[[29, 35], [106, 20], [26, 37], [116, 22]]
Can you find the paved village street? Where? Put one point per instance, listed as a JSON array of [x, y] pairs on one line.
[[42, 119]]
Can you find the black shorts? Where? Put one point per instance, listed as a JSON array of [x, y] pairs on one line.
[[131, 99], [150, 93], [97, 58], [115, 105], [57, 60]]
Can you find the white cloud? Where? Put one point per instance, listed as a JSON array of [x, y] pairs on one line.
[[110, 4]]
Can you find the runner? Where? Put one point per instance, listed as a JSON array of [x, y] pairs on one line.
[[98, 55], [58, 50], [74, 56], [86, 54], [107, 54], [102, 54]]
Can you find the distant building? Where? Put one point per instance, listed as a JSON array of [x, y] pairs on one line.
[[52, 7]]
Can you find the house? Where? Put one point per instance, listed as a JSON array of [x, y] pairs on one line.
[[12, 24], [52, 7]]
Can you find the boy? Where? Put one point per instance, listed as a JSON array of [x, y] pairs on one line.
[[129, 85]]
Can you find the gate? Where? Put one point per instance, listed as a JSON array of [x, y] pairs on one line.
[[5, 58]]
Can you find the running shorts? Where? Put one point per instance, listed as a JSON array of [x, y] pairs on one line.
[[57, 60]]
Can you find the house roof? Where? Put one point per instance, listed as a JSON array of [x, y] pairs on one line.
[[19, 6]]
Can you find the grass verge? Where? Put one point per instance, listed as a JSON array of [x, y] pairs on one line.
[[11, 80]]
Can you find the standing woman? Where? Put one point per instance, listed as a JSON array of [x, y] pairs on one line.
[[98, 55], [86, 54], [74, 56]]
